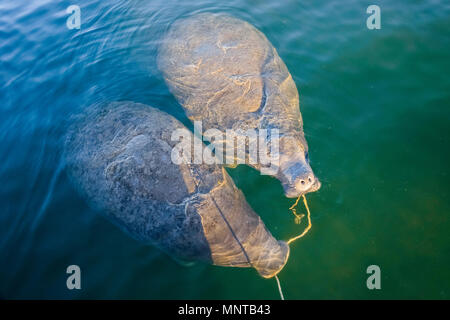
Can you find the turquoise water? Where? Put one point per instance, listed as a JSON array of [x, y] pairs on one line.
[[376, 107]]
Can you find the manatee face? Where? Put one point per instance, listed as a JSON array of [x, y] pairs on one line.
[[225, 73], [295, 172]]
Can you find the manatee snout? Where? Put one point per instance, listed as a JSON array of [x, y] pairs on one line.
[[295, 172], [297, 179]]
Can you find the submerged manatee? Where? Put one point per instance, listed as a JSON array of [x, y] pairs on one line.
[[119, 155], [226, 73]]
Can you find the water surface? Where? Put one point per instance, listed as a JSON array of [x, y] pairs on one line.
[[376, 108]]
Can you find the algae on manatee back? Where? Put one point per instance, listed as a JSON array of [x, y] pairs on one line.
[[225, 72], [119, 155]]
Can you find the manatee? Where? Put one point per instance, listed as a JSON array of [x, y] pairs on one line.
[[225, 72], [119, 157]]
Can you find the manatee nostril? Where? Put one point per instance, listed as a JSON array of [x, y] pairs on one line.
[[305, 182]]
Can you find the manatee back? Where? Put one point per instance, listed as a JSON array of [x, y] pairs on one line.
[[119, 157], [225, 72]]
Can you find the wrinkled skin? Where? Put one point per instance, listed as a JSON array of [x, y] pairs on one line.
[[119, 157], [226, 73]]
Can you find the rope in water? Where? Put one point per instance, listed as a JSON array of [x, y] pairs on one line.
[[297, 220], [279, 288], [298, 217], [295, 213]]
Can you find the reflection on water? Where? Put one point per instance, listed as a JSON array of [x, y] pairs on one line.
[[375, 107]]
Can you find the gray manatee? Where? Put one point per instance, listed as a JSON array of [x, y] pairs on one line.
[[119, 156], [226, 73]]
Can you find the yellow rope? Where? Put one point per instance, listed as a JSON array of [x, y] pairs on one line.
[[297, 220], [298, 217], [295, 213]]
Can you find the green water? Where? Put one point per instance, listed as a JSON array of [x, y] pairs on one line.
[[376, 110]]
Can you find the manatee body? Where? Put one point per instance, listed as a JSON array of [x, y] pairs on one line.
[[119, 156], [225, 72]]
